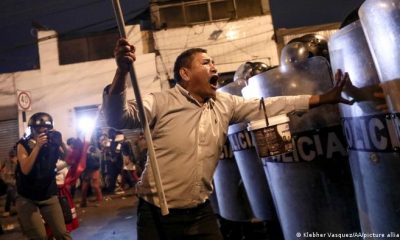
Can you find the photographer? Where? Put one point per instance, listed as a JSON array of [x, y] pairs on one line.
[[36, 183]]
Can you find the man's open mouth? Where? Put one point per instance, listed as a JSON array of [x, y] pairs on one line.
[[214, 80]]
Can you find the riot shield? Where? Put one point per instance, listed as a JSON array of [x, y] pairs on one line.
[[214, 203], [311, 186], [380, 20], [233, 203], [251, 170], [308, 77], [249, 164], [370, 133]]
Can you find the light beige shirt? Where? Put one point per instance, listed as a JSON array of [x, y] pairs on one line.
[[188, 137]]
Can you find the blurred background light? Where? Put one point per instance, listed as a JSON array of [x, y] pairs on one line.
[[86, 124]]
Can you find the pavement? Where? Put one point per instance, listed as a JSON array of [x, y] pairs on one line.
[[114, 218]]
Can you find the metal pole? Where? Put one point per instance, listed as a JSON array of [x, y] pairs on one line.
[[142, 116]]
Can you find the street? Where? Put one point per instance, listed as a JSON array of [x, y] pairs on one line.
[[115, 218]]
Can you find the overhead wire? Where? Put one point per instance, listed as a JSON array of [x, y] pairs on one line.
[[173, 51], [216, 43], [36, 41], [233, 44]]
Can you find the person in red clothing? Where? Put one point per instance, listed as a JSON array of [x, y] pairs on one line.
[[74, 153], [76, 159], [72, 222]]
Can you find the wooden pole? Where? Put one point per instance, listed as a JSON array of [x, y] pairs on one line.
[[142, 116]]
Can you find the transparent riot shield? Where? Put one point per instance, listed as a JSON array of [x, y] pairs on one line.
[[250, 167], [370, 133], [233, 203], [311, 186], [380, 20], [251, 170]]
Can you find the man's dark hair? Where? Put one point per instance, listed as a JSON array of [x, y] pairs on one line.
[[74, 142], [184, 60], [70, 141]]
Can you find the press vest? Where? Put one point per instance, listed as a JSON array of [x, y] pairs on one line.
[[40, 183]]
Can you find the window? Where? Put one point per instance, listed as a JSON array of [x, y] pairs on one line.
[[248, 8], [172, 16], [197, 13], [222, 10], [87, 48], [183, 13]]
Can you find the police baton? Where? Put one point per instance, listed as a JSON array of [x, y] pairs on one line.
[[142, 115]]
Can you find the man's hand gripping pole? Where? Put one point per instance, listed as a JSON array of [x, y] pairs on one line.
[[142, 115]]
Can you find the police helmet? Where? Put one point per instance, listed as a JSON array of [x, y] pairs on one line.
[[316, 44], [294, 52], [248, 70]]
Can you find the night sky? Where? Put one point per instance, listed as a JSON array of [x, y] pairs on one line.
[[299, 13], [18, 49]]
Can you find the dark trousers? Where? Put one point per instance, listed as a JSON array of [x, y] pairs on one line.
[[32, 213], [199, 223], [10, 198]]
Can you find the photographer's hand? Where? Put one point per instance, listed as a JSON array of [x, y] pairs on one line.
[[41, 140]]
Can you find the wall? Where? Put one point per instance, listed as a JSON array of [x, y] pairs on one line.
[[59, 89], [244, 40]]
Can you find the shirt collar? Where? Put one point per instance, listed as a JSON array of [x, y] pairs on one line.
[[210, 102]]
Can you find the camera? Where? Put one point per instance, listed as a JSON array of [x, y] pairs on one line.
[[91, 149], [54, 137]]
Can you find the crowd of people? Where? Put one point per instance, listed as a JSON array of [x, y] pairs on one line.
[[43, 174], [188, 134]]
